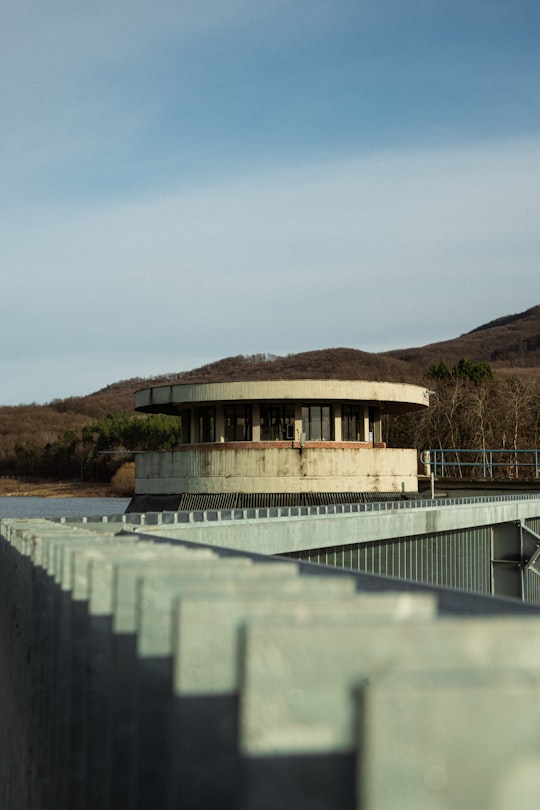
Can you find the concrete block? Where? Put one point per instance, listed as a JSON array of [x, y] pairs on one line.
[[207, 669], [298, 715], [187, 565], [111, 705], [434, 741], [207, 625], [109, 698], [158, 714], [73, 651], [298, 680], [71, 559], [102, 568], [141, 689], [156, 591]]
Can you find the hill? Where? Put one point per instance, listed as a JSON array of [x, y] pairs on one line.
[[507, 343], [511, 344]]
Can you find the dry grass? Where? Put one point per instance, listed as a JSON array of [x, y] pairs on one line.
[[10, 487], [123, 481]]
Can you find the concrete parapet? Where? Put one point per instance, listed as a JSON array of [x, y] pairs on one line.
[[140, 671]]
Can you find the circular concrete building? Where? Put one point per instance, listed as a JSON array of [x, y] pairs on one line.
[[275, 442]]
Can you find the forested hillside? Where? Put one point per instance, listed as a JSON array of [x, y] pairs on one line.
[[72, 438], [509, 343]]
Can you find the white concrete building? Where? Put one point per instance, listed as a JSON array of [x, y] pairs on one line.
[[274, 442]]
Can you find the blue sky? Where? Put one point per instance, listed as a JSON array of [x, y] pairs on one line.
[[184, 181]]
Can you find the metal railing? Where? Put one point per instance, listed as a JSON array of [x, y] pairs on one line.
[[492, 463], [135, 519]]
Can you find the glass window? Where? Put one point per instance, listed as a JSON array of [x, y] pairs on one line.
[[237, 423], [352, 423], [277, 422], [207, 424], [316, 423], [185, 417], [374, 416]]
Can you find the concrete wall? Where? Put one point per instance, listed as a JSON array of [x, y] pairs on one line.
[[294, 531], [141, 674], [241, 467]]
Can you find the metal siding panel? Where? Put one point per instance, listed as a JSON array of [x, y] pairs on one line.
[[435, 560], [465, 561], [459, 559], [531, 587], [355, 558]]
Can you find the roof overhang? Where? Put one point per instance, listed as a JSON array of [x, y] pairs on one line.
[[390, 397]]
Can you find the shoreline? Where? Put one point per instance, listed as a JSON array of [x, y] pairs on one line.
[[12, 487]]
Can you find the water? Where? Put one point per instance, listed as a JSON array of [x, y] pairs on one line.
[[32, 507]]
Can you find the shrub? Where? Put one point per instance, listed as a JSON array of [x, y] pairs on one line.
[[123, 481]]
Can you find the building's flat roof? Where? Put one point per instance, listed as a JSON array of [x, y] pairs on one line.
[[392, 397]]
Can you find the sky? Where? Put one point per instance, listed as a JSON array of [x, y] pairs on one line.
[[187, 180]]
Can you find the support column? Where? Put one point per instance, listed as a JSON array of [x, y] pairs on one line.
[[365, 435], [337, 423], [377, 425], [256, 422], [506, 560], [297, 421]]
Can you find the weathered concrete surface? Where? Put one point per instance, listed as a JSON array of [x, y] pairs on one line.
[[111, 695], [435, 714], [209, 463], [299, 681], [410, 397], [276, 469]]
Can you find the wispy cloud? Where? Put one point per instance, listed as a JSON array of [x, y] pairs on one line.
[[383, 251], [182, 181]]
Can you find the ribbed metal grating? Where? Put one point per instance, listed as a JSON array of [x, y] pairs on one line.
[[253, 500]]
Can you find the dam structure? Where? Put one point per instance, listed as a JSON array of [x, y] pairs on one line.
[[487, 544], [351, 656]]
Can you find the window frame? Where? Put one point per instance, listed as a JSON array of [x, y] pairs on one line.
[[350, 413], [317, 422], [277, 422], [238, 422], [206, 416]]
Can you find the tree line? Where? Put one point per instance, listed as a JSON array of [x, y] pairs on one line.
[[472, 408], [93, 452]]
